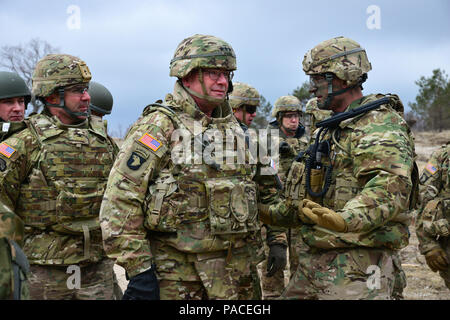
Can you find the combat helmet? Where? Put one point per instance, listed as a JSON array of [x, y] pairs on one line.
[[243, 94], [341, 57], [12, 85], [101, 98], [56, 71], [202, 51], [285, 104]]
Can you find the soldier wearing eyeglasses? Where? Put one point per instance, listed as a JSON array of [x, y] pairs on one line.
[[53, 174], [185, 227]]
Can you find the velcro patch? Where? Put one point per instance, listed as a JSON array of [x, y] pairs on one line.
[[150, 142], [430, 168], [6, 150]]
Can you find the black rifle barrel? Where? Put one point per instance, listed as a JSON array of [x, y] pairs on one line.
[[334, 120]]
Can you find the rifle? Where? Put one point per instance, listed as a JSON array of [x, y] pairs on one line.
[[334, 120]]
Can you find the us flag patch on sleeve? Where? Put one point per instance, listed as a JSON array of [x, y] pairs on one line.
[[6, 150], [430, 168], [150, 142]]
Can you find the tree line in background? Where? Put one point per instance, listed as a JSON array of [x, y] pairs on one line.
[[429, 112]]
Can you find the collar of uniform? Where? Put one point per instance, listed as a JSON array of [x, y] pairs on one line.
[[82, 125]]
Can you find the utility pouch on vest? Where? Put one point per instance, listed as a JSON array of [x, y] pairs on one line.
[[295, 182], [161, 211], [435, 223], [37, 205], [232, 206], [316, 182]]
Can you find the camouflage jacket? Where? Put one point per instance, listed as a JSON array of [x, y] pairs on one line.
[[156, 194], [297, 143], [433, 216], [53, 179], [371, 181], [9, 128]]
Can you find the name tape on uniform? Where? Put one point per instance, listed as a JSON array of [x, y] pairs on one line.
[[6, 150], [150, 142]]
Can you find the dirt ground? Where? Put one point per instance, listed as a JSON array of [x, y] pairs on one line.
[[422, 283]]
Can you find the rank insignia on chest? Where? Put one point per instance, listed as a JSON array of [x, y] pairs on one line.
[[430, 168], [150, 142], [135, 161], [6, 150]]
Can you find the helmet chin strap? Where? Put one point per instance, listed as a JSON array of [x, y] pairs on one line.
[[280, 122], [73, 115], [326, 105]]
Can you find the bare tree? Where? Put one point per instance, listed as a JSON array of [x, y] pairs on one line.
[[22, 59]]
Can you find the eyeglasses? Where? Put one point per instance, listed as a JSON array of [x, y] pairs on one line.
[[77, 89], [295, 115], [215, 74], [250, 109]]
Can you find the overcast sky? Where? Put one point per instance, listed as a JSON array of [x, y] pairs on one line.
[[128, 44]]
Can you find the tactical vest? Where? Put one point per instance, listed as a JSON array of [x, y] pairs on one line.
[[65, 188], [202, 191], [343, 187], [436, 213]]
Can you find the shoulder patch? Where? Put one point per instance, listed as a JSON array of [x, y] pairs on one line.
[[430, 168], [6, 150], [150, 142]]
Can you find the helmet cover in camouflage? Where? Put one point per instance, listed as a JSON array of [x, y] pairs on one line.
[[341, 56], [202, 51], [285, 104], [243, 94], [58, 70], [101, 98], [12, 85]]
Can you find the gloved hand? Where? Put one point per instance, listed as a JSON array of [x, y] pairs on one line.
[[143, 286], [437, 260], [324, 217], [276, 260]]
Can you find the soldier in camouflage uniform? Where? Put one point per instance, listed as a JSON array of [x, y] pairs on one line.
[[313, 115], [171, 209], [354, 189], [101, 105], [54, 177], [292, 140], [14, 267], [244, 100], [433, 218], [14, 98]]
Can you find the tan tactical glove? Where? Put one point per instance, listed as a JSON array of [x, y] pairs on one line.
[[324, 217], [437, 260]]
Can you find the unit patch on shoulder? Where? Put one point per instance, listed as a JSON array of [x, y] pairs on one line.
[[430, 168], [150, 142], [6, 150], [135, 161]]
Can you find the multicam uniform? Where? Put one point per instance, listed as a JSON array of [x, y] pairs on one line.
[[370, 189], [56, 175], [14, 265], [60, 172], [198, 225], [245, 95], [313, 115], [195, 218], [289, 146], [433, 218]]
